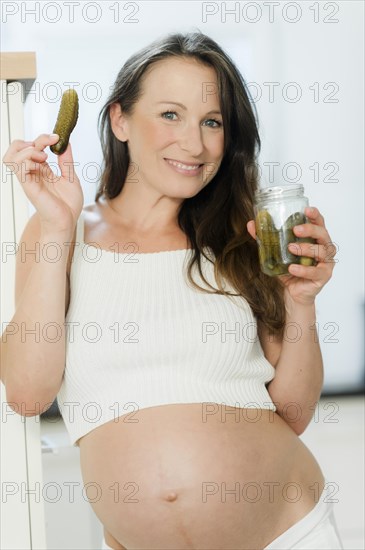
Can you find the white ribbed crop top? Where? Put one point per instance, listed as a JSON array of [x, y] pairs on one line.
[[139, 335]]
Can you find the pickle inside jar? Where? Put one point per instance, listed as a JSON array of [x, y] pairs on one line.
[[273, 243], [288, 236], [268, 240]]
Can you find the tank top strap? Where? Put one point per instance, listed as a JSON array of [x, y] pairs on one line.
[[80, 229]]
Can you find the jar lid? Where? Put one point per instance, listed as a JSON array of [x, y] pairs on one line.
[[279, 191]]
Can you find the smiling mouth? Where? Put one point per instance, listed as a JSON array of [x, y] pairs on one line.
[[182, 165]]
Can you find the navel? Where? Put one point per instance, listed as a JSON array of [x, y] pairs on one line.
[[171, 496]]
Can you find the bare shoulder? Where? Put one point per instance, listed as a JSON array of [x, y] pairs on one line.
[[92, 208], [95, 211], [271, 345]]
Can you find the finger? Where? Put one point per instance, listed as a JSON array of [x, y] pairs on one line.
[[38, 144], [28, 172], [317, 232], [305, 249], [48, 175], [314, 215], [318, 274], [67, 165], [321, 253], [31, 153], [44, 140], [28, 153], [42, 171], [15, 146], [29, 166], [330, 249]]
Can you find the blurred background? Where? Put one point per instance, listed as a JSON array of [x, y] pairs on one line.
[[303, 63]]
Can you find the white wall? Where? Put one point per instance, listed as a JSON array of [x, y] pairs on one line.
[[271, 50]]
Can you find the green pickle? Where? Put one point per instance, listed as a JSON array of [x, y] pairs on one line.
[[274, 255], [297, 218], [269, 243], [66, 120]]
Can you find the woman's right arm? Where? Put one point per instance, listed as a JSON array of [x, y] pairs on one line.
[[33, 343]]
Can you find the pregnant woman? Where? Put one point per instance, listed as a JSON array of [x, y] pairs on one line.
[[180, 374]]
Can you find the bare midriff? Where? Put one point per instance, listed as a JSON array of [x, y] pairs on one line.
[[197, 476]]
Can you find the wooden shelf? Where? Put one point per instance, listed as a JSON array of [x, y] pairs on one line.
[[19, 67]]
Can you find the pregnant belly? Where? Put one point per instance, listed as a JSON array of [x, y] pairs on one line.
[[198, 476]]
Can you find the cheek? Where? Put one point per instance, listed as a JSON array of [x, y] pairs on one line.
[[147, 135], [164, 136], [217, 146], [158, 135], [146, 142]]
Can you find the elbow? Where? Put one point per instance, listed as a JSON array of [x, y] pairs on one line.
[[300, 426], [23, 409], [27, 407]]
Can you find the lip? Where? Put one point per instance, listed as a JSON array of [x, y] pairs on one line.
[[186, 163], [187, 172]]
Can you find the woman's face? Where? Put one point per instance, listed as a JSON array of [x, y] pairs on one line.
[[160, 133]]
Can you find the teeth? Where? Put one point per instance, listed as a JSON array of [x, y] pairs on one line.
[[183, 166]]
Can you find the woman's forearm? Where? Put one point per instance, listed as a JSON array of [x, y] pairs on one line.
[[298, 380]]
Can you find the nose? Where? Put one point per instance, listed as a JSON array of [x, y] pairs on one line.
[[190, 140]]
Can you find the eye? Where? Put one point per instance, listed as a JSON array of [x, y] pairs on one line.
[[168, 113], [218, 124]]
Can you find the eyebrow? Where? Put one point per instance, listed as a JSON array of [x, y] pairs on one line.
[[183, 107]]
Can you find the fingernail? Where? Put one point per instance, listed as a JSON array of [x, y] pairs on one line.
[[53, 135], [299, 228]]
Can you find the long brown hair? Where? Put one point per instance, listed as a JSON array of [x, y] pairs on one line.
[[216, 217]]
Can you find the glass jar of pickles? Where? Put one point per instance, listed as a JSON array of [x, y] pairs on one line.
[[277, 210]]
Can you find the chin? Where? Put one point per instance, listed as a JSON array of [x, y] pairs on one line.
[[188, 194]]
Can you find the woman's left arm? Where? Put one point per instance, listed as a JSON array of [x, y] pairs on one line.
[[298, 381]]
